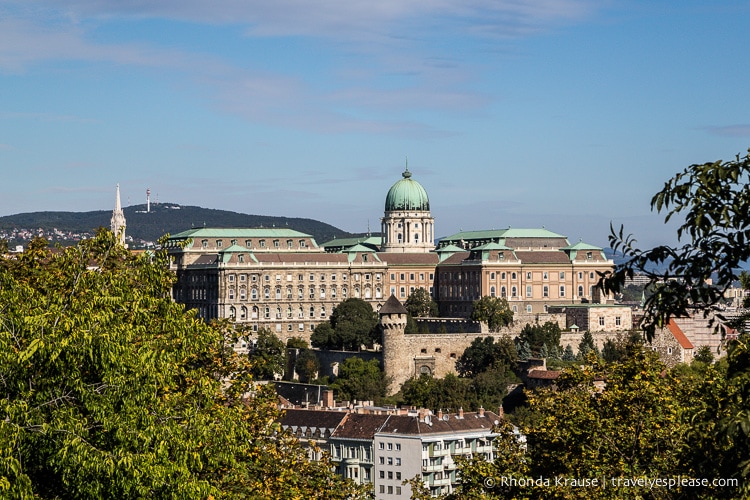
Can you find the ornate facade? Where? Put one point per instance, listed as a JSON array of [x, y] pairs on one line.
[[283, 280]]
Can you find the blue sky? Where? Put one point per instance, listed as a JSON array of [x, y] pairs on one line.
[[566, 114]]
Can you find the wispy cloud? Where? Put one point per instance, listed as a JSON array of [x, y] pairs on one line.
[[402, 62], [740, 130]]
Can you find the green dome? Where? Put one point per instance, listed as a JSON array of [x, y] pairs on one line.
[[407, 194]]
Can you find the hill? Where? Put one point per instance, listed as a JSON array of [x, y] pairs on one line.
[[142, 226]]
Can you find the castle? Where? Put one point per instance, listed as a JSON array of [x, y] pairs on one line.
[[283, 280]]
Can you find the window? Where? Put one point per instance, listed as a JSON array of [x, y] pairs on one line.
[[492, 291], [381, 446], [398, 461], [591, 275], [618, 321], [502, 276], [528, 308], [580, 275], [562, 290], [411, 276], [276, 243], [219, 243], [398, 445], [580, 290], [601, 320], [545, 275], [528, 275], [513, 292], [545, 291], [528, 290], [262, 243], [492, 275], [513, 276], [562, 275]]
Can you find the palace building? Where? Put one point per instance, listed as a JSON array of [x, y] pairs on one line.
[[285, 281]]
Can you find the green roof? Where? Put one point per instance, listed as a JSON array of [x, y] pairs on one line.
[[407, 194], [348, 242], [235, 232], [581, 246], [492, 246], [501, 234]]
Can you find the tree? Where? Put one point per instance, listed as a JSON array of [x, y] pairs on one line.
[[587, 345], [568, 354], [704, 355], [420, 304], [323, 337], [361, 380], [355, 324], [268, 356], [714, 200], [484, 353], [494, 311], [109, 389], [538, 336], [306, 365]]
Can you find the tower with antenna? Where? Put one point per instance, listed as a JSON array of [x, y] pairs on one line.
[[148, 200]]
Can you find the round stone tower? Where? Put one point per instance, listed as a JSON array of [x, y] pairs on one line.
[[396, 363], [407, 224]]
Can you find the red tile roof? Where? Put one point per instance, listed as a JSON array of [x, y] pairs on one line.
[[679, 335]]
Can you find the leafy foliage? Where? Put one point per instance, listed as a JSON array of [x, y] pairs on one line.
[[540, 337], [484, 353], [268, 356], [353, 324], [307, 365], [361, 380], [714, 199], [420, 304], [494, 311], [108, 389]]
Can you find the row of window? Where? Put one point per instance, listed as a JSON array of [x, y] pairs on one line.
[[321, 293], [412, 276], [301, 277], [261, 243]]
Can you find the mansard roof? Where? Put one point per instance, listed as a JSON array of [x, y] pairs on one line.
[[234, 232]]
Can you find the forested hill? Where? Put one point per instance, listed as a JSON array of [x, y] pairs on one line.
[[141, 226]]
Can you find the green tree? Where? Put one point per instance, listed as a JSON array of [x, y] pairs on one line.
[[704, 355], [587, 345], [268, 356], [713, 200], [420, 391], [486, 352], [306, 365], [355, 324], [109, 389], [360, 380], [568, 354], [494, 311], [538, 336], [297, 343], [323, 337], [420, 304]]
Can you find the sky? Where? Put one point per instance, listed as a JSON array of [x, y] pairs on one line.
[[564, 114]]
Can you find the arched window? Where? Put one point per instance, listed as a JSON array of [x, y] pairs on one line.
[[492, 291]]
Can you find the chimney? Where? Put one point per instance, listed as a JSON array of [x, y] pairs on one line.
[[461, 412], [500, 411], [481, 411], [440, 414], [327, 399]]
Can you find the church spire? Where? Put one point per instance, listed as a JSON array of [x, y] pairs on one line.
[[117, 224]]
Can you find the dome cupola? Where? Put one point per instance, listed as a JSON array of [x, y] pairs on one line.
[[407, 194]]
